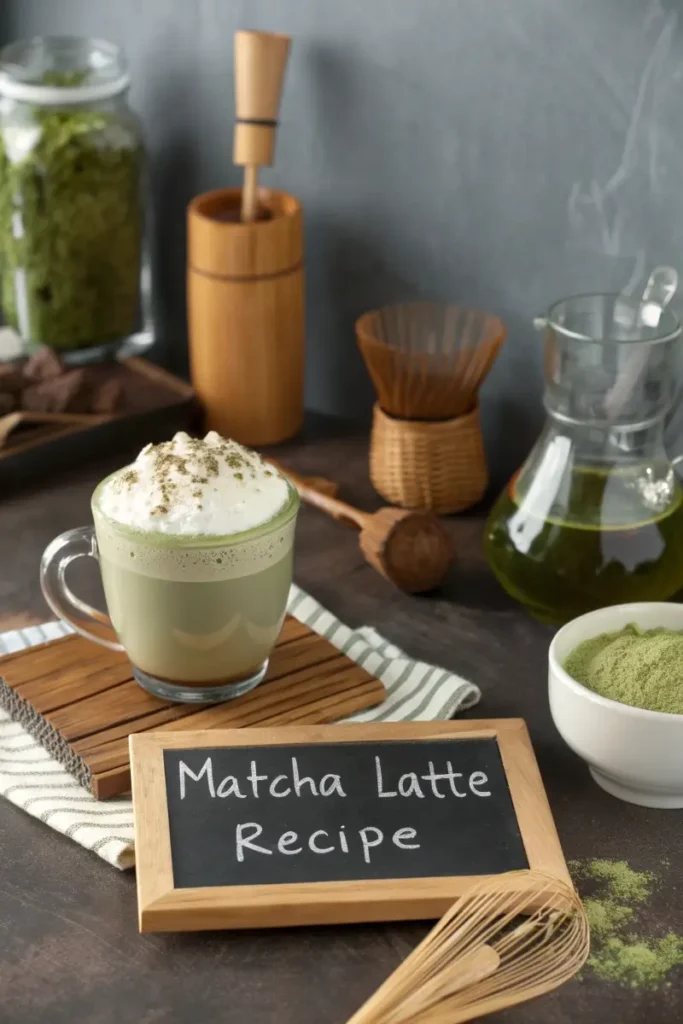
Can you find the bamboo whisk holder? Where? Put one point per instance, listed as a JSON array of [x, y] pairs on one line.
[[245, 296], [428, 464]]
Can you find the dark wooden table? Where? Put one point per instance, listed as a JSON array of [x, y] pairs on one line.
[[69, 946]]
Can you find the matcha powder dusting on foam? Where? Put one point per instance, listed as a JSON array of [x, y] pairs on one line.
[[191, 487], [642, 668]]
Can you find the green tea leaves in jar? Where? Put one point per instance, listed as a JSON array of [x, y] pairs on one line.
[[71, 211]]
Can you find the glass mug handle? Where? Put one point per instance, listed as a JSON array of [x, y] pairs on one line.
[[58, 555]]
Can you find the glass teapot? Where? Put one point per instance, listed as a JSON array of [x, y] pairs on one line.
[[595, 515]]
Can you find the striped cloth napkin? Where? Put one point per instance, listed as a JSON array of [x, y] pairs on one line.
[[34, 781]]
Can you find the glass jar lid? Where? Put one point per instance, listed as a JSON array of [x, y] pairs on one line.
[[56, 70]]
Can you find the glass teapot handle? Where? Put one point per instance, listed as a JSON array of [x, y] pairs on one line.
[[660, 289], [658, 293]]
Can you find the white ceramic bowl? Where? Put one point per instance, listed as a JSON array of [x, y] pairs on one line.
[[634, 754]]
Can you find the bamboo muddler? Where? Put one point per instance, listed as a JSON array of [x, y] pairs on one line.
[[260, 62]]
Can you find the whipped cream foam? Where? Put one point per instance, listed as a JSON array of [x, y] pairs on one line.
[[189, 487]]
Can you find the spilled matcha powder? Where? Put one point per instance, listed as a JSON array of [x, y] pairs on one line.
[[622, 883], [618, 952], [643, 668], [640, 964]]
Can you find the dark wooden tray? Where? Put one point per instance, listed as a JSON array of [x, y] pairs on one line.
[[155, 404]]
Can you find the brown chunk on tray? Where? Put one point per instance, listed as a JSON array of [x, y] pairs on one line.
[[11, 377], [45, 364], [68, 393], [106, 397]]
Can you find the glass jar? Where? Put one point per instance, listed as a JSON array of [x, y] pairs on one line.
[[71, 200]]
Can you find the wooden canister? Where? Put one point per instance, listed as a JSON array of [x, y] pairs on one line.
[[245, 297]]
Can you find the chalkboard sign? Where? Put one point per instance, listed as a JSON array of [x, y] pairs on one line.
[[334, 823], [340, 811]]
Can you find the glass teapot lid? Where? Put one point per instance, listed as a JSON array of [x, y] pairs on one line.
[[612, 359]]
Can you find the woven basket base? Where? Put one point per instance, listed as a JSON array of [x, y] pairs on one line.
[[428, 464]]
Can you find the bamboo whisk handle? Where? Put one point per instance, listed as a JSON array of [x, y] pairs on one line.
[[472, 968]]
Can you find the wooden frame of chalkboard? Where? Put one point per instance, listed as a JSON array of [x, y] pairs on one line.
[[165, 906]]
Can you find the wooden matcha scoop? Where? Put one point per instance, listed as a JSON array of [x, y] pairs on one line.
[[12, 420], [412, 549]]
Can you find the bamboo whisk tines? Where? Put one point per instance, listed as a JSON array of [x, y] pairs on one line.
[[507, 939], [428, 360]]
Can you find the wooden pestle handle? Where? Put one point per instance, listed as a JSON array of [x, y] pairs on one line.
[[260, 62]]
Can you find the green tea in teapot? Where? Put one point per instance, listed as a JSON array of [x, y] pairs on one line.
[[595, 515], [560, 567]]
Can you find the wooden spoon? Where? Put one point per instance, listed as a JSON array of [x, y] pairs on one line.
[[12, 420], [412, 549], [7, 425]]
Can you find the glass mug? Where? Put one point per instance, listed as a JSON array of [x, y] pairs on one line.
[[197, 616]]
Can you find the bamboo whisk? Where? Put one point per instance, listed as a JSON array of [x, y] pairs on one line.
[[507, 939], [428, 360]]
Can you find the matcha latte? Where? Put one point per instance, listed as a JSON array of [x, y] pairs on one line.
[[195, 542]]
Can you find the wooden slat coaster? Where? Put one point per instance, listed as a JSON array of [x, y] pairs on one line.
[[82, 703]]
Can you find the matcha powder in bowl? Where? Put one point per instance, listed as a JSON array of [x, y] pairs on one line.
[[71, 203], [642, 668]]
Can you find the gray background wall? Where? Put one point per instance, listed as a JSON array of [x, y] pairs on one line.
[[499, 152]]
